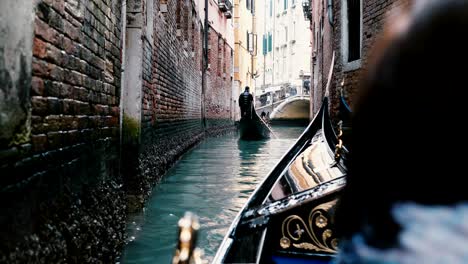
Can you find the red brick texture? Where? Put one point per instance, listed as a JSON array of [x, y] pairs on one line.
[[73, 144], [219, 84], [76, 73]]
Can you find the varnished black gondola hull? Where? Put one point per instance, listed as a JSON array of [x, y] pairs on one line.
[[253, 130]]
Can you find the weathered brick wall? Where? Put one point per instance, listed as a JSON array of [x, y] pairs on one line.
[[63, 170], [76, 69], [177, 77], [72, 149], [374, 14], [149, 97], [172, 92], [219, 84]]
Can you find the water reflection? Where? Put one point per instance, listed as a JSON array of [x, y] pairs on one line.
[[213, 180]]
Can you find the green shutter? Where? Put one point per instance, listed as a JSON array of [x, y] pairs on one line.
[[270, 42], [265, 48]]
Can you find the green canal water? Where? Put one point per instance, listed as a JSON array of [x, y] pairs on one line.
[[213, 180]]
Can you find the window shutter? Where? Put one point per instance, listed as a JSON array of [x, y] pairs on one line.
[[271, 7], [250, 42], [270, 42], [255, 44]]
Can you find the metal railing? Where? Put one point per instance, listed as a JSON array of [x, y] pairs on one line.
[[225, 6]]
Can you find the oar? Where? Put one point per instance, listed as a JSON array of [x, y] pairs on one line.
[[271, 131]]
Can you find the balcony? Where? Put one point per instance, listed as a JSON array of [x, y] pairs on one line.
[[228, 14], [225, 6]]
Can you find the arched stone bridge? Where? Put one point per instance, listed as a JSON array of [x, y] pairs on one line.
[[295, 107]]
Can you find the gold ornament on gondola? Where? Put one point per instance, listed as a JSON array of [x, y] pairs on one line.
[[317, 238], [186, 252], [285, 242], [339, 146], [321, 221]]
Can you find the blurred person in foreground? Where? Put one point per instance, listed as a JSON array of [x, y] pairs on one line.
[[405, 200]]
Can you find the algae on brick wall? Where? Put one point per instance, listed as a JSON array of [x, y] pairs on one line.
[[130, 129]]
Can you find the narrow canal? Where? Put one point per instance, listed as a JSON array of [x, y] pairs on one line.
[[213, 180]]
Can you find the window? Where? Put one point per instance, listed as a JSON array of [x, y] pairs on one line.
[[354, 30], [271, 8], [149, 19], [285, 2], [265, 45], [352, 34], [251, 42], [250, 4], [225, 58], [283, 51], [277, 68], [209, 51], [294, 30], [322, 26], [270, 42], [200, 50], [316, 40], [193, 36], [179, 17], [286, 34], [220, 54]]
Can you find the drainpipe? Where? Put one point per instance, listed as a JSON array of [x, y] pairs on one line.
[[205, 62], [122, 77]]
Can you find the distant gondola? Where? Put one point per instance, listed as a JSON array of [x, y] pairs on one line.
[[252, 127], [289, 217]]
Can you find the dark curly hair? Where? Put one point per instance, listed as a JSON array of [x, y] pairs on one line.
[[407, 142]]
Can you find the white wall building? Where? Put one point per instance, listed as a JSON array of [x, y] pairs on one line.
[[284, 50]]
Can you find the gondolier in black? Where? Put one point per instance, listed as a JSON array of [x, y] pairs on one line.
[[245, 103]]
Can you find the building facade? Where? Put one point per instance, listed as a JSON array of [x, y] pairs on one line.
[[245, 47], [342, 33], [219, 95], [284, 47]]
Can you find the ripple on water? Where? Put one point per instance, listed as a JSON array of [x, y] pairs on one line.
[[214, 180]]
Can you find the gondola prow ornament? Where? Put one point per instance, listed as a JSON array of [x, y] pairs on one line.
[[186, 252]]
